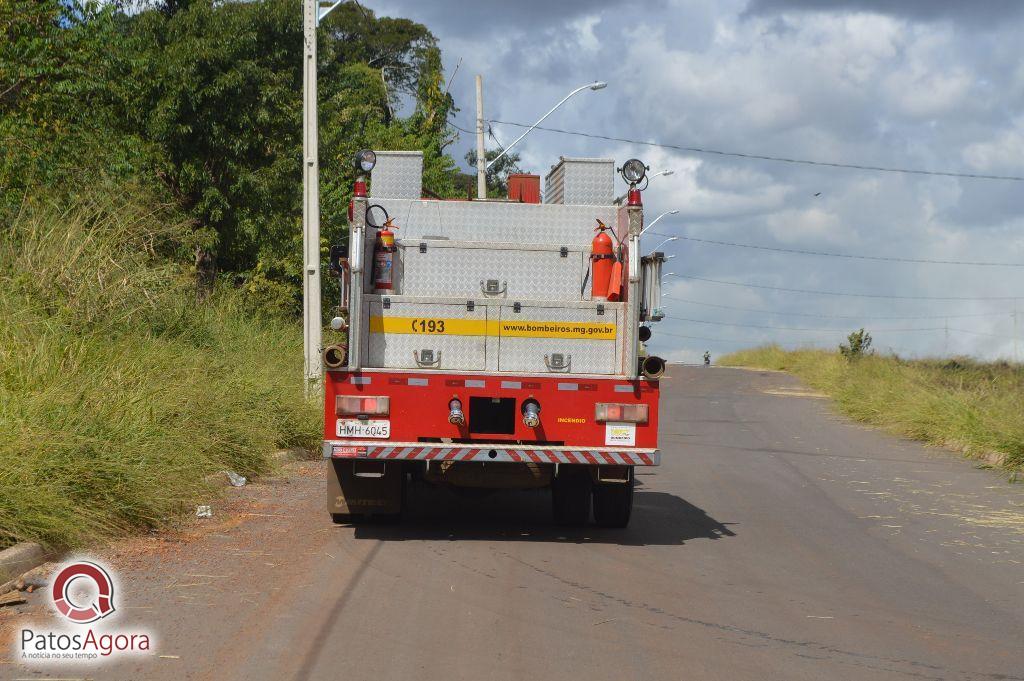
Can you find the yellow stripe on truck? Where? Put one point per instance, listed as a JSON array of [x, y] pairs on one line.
[[438, 326]]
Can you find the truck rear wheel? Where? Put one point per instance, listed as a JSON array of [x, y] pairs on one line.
[[613, 503], [570, 497]]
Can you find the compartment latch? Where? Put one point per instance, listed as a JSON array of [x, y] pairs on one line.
[[493, 287], [563, 251], [427, 358], [556, 361]]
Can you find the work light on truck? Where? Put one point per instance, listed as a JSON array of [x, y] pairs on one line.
[[633, 171], [365, 160], [628, 413], [358, 405]]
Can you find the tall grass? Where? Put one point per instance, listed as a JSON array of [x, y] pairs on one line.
[[974, 407], [119, 395]]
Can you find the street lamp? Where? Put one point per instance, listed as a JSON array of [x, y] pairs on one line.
[[671, 238], [655, 221], [597, 85]]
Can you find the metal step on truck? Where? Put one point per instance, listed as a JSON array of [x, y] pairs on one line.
[[493, 344]]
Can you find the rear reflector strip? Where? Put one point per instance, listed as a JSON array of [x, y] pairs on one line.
[[419, 381], [625, 389], [568, 386], [512, 385], [437, 453], [472, 383], [359, 380]]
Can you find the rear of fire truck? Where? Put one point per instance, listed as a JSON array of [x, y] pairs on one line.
[[493, 344]]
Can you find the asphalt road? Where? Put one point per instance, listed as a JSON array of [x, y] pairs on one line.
[[776, 541]]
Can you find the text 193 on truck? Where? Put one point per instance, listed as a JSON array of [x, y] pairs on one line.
[[493, 343]]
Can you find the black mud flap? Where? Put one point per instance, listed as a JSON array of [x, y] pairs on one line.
[[364, 488]]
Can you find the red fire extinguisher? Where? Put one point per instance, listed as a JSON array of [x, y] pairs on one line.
[[602, 257], [384, 257]]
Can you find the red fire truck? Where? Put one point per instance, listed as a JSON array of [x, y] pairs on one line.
[[493, 343]]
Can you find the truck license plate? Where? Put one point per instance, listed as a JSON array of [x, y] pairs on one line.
[[380, 429]]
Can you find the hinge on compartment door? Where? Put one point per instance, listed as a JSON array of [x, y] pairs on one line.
[[470, 305], [517, 307], [386, 303], [564, 251], [423, 247], [600, 308]]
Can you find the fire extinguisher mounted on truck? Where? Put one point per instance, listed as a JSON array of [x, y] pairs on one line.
[[495, 343]]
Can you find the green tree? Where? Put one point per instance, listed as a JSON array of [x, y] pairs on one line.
[[858, 344]]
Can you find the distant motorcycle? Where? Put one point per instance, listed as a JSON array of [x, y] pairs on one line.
[[707, 359]]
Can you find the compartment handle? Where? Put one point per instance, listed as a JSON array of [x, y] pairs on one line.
[[490, 287], [558, 362], [427, 358]]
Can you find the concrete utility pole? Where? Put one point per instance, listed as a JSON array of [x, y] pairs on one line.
[[312, 12], [481, 154]]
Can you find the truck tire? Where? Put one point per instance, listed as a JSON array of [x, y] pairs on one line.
[[570, 497], [613, 503]]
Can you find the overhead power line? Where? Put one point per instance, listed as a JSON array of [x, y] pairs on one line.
[[704, 338], [764, 157], [861, 318], [883, 258], [796, 328], [843, 293]]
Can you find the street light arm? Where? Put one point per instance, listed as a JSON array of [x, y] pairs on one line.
[[581, 88], [671, 238], [655, 221]]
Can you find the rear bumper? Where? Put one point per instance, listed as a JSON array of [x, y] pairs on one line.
[[417, 451]]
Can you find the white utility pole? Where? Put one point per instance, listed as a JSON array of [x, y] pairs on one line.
[[481, 155], [312, 12]]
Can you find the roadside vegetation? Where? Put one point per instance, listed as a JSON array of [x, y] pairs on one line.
[[974, 407], [120, 395]]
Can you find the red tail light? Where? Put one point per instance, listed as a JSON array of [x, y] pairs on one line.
[[358, 405], [628, 413]]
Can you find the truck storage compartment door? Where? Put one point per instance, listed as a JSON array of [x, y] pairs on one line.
[[407, 335], [479, 269], [581, 339]]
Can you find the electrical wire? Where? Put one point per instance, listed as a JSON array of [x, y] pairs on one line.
[[831, 316], [843, 293], [796, 328], [764, 157], [851, 256]]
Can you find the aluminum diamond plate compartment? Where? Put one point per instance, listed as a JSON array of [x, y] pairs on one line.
[[581, 181], [397, 175], [473, 269], [557, 340], [405, 335], [553, 224]]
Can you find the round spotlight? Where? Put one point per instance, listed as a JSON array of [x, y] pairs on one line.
[[633, 171], [365, 160]]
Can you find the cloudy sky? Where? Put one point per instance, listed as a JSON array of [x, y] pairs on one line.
[[925, 84]]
